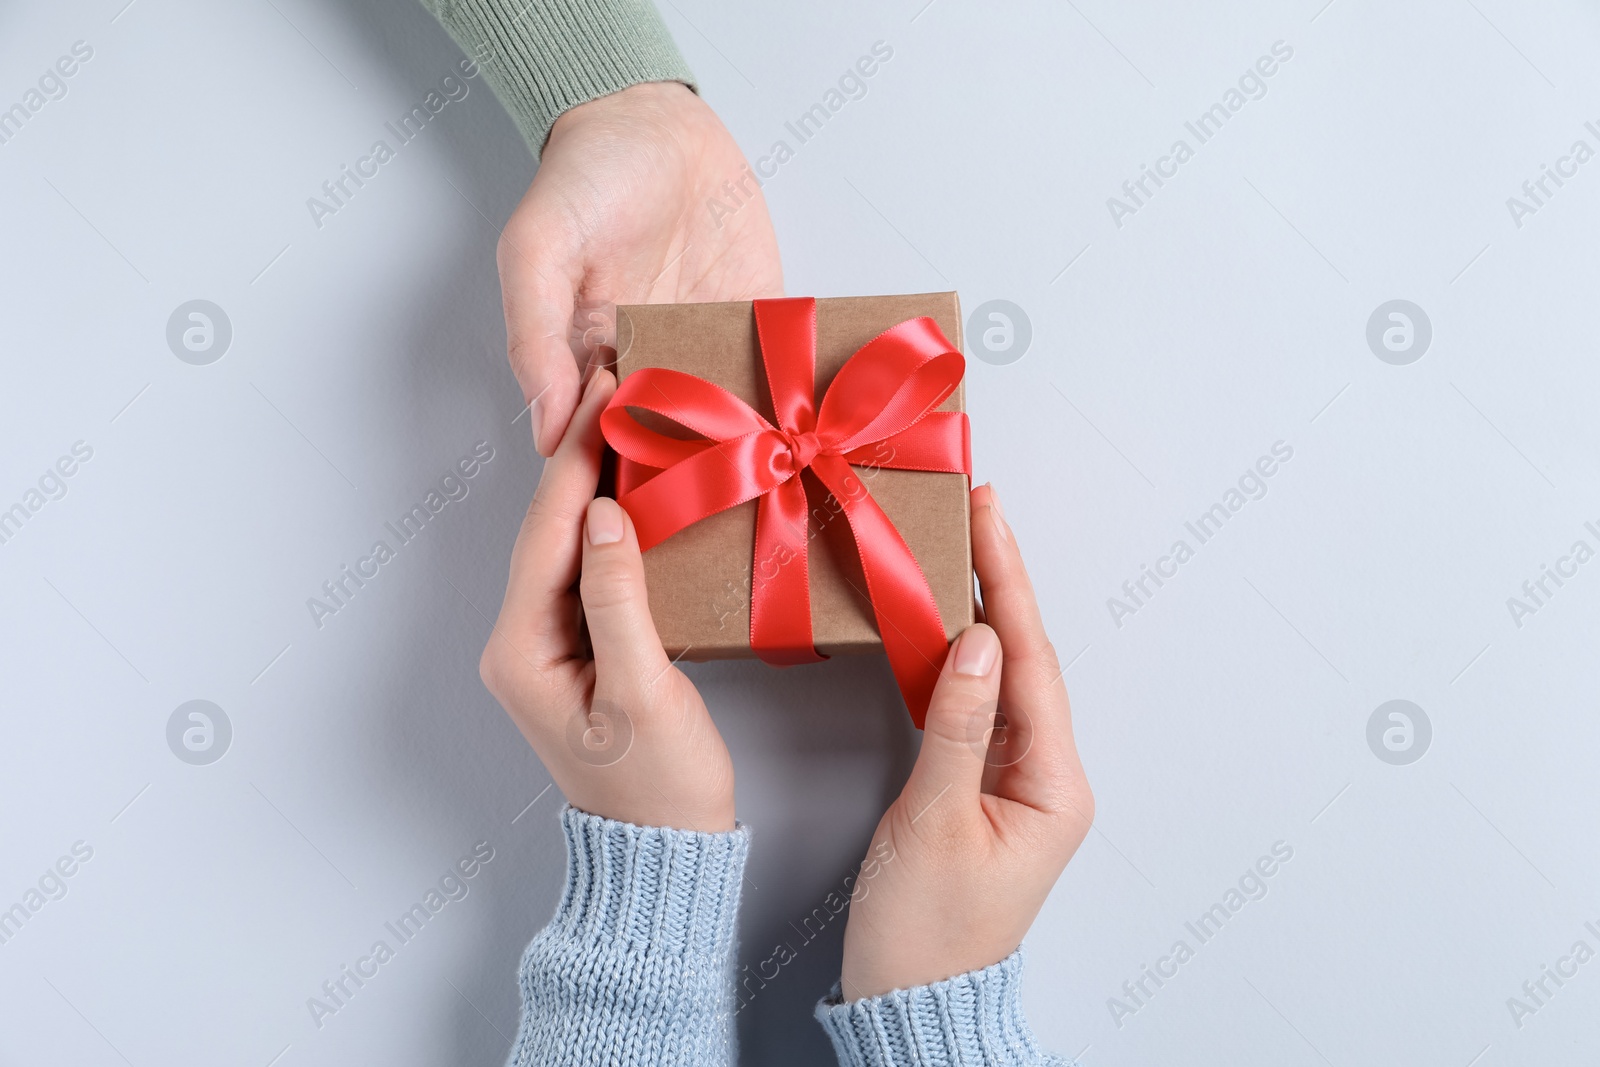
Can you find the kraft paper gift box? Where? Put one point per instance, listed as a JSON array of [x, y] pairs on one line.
[[699, 579]]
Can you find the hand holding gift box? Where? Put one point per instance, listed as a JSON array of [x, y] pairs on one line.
[[813, 452]]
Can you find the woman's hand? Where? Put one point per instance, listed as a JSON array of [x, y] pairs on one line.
[[962, 861], [624, 734], [641, 197]]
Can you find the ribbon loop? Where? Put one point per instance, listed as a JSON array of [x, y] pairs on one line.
[[880, 411]]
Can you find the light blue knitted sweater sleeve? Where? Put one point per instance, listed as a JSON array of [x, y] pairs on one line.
[[971, 1020], [636, 969]]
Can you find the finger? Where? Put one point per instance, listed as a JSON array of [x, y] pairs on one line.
[[1008, 601], [627, 651], [539, 277], [948, 774], [545, 560], [1036, 761]]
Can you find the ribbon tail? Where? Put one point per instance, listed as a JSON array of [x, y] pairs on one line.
[[780, 579], [903, 604]]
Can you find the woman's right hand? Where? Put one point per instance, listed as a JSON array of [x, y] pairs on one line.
[[963, 860], [623, 732]]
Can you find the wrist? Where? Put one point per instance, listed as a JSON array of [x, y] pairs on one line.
[[646, 813], [556, 54], [900, 958], [656, 98]]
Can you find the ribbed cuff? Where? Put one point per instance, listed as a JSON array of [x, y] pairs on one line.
[[543, 57], [971, 1020], [637, 964]]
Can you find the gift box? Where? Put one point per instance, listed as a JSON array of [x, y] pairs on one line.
[[770, 528]]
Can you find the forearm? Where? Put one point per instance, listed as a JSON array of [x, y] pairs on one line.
[[544, 57], [971, 1020], [636, 968]]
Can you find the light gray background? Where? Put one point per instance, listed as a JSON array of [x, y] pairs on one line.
[[1228, 714]]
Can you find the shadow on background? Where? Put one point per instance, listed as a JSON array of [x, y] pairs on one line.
[[457, 768], [819, 751]]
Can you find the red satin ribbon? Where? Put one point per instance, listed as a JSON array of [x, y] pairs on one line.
[[879, 412]]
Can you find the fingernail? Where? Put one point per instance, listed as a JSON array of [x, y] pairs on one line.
[[976, 652], [588, 386], [1000, 523], [604, 525], [536, 417]]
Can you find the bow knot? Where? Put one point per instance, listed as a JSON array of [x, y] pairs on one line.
[[803, 448], [880, 411]]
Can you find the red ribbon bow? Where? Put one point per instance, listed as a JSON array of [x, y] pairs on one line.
[[879, 412]]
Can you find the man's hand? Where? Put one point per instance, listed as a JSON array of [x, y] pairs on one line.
[[621, 211], [624, 734], [963, 860]]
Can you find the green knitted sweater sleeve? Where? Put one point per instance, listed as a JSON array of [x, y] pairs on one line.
[[543, 57]]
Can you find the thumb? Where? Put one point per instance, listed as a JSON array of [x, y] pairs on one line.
[[538, 284], [949, 769], [627, 651]]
